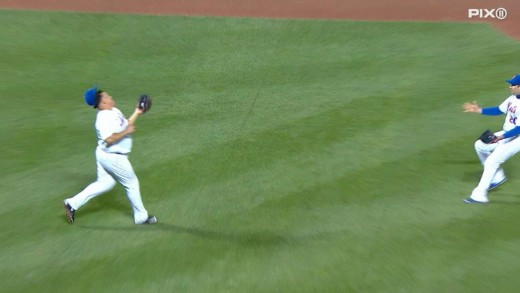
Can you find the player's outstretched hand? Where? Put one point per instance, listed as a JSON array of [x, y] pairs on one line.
[[471, 107]]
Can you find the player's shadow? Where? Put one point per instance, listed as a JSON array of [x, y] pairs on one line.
[[244, 238], [503, 201], [503, 196], [114, 200]]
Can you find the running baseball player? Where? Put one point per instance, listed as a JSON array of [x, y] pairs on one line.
[[504, 144], [114, 145]]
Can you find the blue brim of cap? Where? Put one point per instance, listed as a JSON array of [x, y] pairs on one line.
[[515, 80]]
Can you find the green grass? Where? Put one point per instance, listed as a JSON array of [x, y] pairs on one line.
[[279, 156]]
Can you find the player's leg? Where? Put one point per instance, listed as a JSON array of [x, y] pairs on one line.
[[504, 150], [483, 152], [104, 183], [121, 168]]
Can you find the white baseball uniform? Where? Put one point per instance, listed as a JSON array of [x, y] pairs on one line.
[[112, 164], [493, 155]]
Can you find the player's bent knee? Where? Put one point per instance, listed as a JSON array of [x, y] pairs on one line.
[[482, 147]]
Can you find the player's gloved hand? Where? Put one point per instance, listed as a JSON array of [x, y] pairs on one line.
[[488, 137], [497, 139], [144, 103]]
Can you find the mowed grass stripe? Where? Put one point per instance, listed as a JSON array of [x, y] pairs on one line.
[[326, 161]]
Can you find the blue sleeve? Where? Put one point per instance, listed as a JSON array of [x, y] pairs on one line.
[[491, 111], [513, 132]]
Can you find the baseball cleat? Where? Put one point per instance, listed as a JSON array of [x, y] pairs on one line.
[[151, 220], [470, 200], [69, 213], [495, 185]]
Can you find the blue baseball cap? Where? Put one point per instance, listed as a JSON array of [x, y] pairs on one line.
[[515, 80], [91, 96]]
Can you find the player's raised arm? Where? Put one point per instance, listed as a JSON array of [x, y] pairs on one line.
[[134, 116]]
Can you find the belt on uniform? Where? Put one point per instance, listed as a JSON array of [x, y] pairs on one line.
[[115, 153]]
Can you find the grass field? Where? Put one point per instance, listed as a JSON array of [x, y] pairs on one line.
[[279, 156]]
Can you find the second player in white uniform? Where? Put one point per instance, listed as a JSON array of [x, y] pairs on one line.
[[506, 145], [114, 145]]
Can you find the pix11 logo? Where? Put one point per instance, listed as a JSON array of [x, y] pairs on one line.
[[497, 13]]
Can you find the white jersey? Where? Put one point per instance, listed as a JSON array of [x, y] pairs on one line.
[[509, 106], [109, 122]]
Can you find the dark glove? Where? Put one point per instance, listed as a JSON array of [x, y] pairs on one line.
[[145, 103], [487, 137]]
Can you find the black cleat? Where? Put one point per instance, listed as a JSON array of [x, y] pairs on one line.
[[151, 220], [69, 213]]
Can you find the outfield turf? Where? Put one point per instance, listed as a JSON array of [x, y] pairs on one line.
[[279, 155]]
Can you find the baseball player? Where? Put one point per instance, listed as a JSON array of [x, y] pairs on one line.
[[505, 144], [114, 145]]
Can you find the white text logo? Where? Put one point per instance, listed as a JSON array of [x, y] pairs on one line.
[[498, 13]]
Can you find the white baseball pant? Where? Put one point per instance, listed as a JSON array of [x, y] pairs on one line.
[[112, 167], [492, 156]]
